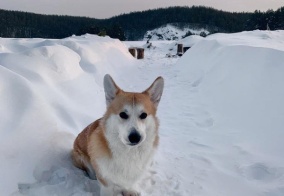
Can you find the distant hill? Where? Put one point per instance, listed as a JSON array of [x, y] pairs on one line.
[[177, 31], [134, 25]]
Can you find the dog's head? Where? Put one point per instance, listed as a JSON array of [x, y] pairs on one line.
[[131, 117]]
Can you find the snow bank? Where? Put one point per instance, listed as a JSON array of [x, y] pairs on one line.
[[190, 40], [50, 90], [235, 84], [257, 38]]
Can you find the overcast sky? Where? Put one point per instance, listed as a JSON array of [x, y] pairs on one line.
[[108, 8]]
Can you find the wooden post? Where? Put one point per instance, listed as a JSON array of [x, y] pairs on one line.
[[180, 49], [185, 49], [140, 53], [132, 52]]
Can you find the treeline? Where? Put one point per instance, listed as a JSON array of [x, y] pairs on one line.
[[113, 30], [29, 25], [137, 23], [271, 20], [134, 25]]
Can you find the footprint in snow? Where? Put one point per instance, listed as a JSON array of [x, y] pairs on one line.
[[195, 144], [60, 181], [56, 175], [275, 192], [204, 123], [200, 117], [261, 172], [157, 184], [197, 82], [201, 160]]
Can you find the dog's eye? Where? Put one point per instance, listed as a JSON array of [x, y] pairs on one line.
[[123, 115], [143, 115]]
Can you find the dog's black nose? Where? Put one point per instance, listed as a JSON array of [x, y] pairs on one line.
[[134, 137]]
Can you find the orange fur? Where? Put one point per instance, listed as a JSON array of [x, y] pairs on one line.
[[91, 138]]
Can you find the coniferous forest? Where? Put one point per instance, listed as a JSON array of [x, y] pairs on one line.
[[133, 26]]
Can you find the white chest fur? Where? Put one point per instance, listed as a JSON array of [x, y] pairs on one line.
[[127, 165]]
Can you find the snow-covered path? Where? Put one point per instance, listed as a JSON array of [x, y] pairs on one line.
[[221, 113], [222, 116]]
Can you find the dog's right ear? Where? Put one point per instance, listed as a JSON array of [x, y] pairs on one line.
[[111, 89], [155, 91]]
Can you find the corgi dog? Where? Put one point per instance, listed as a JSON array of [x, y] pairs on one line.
[[117, 148]]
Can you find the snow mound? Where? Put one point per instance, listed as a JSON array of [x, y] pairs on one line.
[[48, 88], [190, 40], [236, 80], [257, 38]]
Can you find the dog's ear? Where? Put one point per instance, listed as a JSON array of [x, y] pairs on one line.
[[155, 91], [111, 89]]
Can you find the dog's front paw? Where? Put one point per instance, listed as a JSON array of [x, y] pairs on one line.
[[130, 193]]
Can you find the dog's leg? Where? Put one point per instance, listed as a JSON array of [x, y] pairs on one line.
[[91, 172], [77, 160], [130, 193], [81, 162], [114, 190]]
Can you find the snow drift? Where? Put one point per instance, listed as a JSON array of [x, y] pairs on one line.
[[50, 89], [222, 114], [235, 85]]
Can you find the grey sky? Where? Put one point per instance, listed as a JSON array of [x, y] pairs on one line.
[[108, 8]]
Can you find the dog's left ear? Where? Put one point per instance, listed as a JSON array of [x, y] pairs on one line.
[[111, 89], [155, 91]]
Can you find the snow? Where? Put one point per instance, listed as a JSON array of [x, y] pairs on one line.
[[171, 32], [190, 40], [221, 114]]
